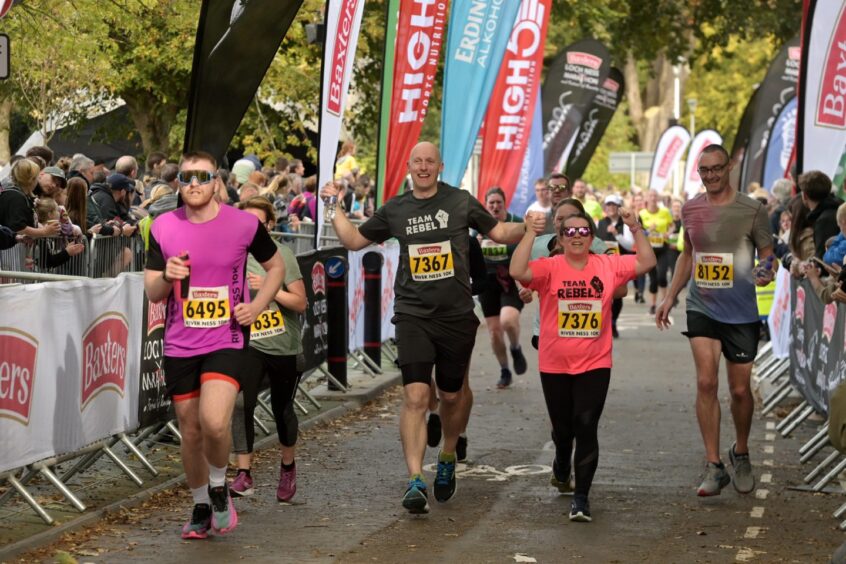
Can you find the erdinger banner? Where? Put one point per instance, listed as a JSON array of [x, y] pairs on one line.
[[817, 358], [596, 121], [508, 121], [692, 181], [343, 18], [780, 144], [574, 78], [776, 90], [741, 139], [477, 35], [668, 154], [821, 138], [69, 364], [236, 42], [417, 51], [532, 168]]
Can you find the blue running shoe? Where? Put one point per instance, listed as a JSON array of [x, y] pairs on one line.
[[445, 481], [199, 524], [416, 498]]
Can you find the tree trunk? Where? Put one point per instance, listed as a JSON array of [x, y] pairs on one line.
[[651, 106], [153, 121], [5, 128]]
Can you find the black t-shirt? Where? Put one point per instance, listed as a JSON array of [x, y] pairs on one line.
[[17, 210], [432, 277]]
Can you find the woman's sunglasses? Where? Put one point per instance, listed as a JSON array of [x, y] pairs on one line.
[[186, 177], [571, 231]]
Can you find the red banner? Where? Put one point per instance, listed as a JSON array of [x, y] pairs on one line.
[[509, 118], [419, 38]]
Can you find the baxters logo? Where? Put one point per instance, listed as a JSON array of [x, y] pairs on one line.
[[156, 314], [579, 307], [800, 304], [340, 54], [18, 351], [673, 147], [829, 319], [708, 259], [433, 249], [611, 85], [318, 278], [831, 105], [584, 59], [104, 347]]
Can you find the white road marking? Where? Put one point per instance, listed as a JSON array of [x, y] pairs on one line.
[[769, 436], [752, 532], [766, 478], [770, 425], [769, 449], [762, 494], [757, 512], [747, 554], [767, 463]]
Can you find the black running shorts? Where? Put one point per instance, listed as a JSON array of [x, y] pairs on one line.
[[185, 375], [446, 344], [739, 340], [494, 297]]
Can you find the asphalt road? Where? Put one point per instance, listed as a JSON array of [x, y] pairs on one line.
[[351, 478]]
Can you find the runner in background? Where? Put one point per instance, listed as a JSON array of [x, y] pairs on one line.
[[503, 299], [723, 230], [435, 323], [197, 262], [620, 241], [275, 345], [657, 220], [575, 289]]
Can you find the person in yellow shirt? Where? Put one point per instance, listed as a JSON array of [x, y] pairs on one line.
[[346, 166], [657, 221], [592, 207]]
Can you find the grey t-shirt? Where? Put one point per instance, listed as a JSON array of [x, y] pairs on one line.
[[433, 274], [724, 240]]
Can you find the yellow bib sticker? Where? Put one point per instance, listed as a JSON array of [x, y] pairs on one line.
[[431, 261], [206, 308], [494, 251], [268, 324], [582, 319], [714, 270], [613, 247], [656, 239]]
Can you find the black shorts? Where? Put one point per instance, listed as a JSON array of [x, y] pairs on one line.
[[498, 294], [446, 344], [185, 375], [739, 340]]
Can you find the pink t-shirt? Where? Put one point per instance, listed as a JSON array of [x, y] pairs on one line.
[[575, 310]]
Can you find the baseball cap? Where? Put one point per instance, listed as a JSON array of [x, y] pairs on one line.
[[56, 172], [242, 169], [614, 199], [119, 181]]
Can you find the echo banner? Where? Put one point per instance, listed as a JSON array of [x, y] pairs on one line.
[[478, 33], [776, 90], [343, 18], [508, 121], [417, 51], [574, 78], [692, 181], [596, 121], [236, 42], [671, 148], [821, 139]]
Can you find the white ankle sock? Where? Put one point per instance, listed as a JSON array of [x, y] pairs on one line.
[[217, 476], [201, 495]]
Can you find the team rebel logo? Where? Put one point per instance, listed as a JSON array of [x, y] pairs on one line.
[[831, 105], [318, 278], [104, 347], [18, 351]]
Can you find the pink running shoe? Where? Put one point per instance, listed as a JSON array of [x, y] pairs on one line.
[[241, 486], [224, 518], [287, 483], [199, 524]]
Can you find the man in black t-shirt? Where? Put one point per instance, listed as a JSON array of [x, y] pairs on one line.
[[433, 312]]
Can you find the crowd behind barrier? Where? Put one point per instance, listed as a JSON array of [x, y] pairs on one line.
[[805, 358], [70, 391]]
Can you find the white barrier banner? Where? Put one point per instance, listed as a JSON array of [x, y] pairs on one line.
[[779, 318], [70, 357], [355, 292]]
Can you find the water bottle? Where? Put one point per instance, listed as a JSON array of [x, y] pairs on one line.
[[330, 206], [765, 268], [185, 283]]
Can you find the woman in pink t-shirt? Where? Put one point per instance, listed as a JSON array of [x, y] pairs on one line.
[[576, 290]]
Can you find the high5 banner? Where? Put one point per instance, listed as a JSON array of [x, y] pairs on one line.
[[478, 33], [508, 121], [417, 51]]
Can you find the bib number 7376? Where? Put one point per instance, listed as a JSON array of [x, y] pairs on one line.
[[579, 319]]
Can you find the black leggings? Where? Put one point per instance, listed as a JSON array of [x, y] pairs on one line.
[[616, 308], [658, 275], [575, 403], [282, 373]]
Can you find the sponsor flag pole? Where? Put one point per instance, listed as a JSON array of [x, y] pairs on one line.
[[391, 18]]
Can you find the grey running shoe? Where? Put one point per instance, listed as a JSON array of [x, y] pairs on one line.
[[744, 481], [716, 478], [564, 482]]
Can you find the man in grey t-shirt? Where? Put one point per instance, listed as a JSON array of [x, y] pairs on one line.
[[433, 313], [723, 230]]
